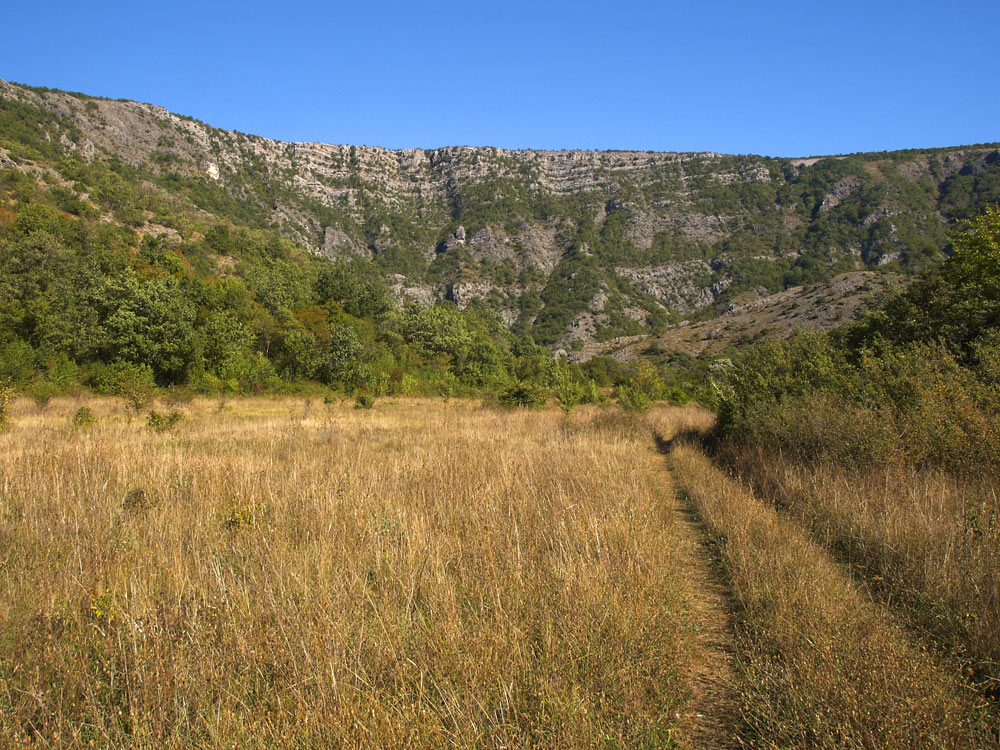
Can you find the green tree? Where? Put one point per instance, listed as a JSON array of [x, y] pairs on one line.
[[343, 360], [150, 322]]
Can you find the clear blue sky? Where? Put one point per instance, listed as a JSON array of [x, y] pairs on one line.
[[786, 79]]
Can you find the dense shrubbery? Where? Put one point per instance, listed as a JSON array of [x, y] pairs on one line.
[[917, 379], [242, 310]]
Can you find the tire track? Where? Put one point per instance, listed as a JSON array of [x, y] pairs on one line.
[[710, 719]]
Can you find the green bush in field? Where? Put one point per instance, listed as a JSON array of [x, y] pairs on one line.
[[6, 397], [522, 393], [569, 394], [164, 422], [632, 398], [133, 383], [83, 417]]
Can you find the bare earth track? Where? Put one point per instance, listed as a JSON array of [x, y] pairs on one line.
[[711, 717]]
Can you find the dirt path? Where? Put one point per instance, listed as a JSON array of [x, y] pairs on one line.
[[711, 718]]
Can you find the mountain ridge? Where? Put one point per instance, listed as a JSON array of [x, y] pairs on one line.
[[574, 247]]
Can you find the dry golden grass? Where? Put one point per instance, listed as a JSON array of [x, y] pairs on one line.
[[822, 665], [929, 542], [276, 574]]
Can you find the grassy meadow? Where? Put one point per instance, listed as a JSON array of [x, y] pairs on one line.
[[284, 573], [279, 572], [925, 542], [822, 665]]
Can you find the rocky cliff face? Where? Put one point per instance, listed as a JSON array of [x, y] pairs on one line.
[[573, 245]]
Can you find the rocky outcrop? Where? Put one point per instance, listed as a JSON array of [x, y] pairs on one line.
[[402, 289], [675, 284], [336, 242]]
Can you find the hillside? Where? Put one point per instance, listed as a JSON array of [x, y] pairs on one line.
[[756, 315], [573, 247]]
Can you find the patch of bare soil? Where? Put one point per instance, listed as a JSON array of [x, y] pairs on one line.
[[711, 717]]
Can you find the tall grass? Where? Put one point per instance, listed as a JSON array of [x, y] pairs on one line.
[[822, 666], [930, 542], [267, 575]]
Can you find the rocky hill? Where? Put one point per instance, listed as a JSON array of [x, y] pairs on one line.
[[574, 247], [755, 315]]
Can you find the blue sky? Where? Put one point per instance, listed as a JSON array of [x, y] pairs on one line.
[[785, 79]]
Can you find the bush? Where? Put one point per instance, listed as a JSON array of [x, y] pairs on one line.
[[522, 393], [593, 394], [569, 394], [914, 405], [364, 401], [163, 422], [41, 392], [633, 399], [677, 396], [84, 417], [6, 397], [133, 383], [16, 361]]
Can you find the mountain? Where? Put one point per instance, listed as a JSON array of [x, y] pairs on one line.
[[572, 247]]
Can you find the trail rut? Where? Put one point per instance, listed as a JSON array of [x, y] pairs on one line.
[[711, 717]]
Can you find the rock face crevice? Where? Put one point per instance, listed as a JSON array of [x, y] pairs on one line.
[[662, 232]]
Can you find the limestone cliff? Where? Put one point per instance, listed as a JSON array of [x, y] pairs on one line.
[[575, 246]]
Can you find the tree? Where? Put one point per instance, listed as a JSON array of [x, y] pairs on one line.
[[343, 360], [150, 323]]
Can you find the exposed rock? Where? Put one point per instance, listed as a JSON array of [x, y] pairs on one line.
[[493, 244], [402, 289], [463, 293], [840, 191], [880, 213], [457, 239], [674, 285], [887, 258], [597, 302], [336, 242]]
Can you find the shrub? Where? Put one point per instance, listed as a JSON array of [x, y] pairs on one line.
[[677, 396], [364, 401], [568, 395], [522, 393], [633, 399], [6, 397], [163, 422], [133, 383], [84, 417], [593, 394], [41, 393]]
